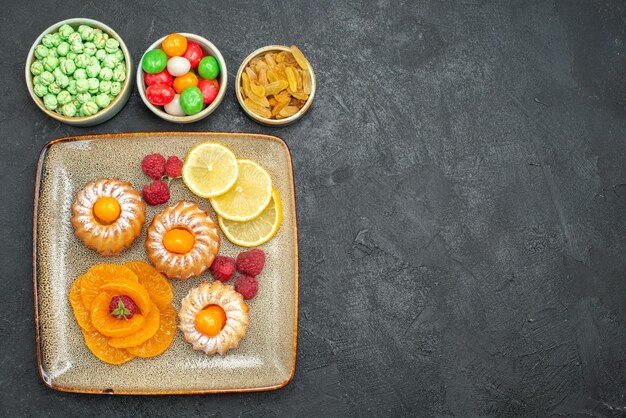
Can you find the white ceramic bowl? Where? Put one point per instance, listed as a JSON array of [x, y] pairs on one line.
[[108, 112], [209, 49], [261, 119]]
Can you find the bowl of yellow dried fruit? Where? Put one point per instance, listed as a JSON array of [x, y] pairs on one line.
[[275, 85]]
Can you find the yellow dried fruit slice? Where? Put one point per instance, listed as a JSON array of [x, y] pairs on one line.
[[299, 57], [276, 87], [292, 78]]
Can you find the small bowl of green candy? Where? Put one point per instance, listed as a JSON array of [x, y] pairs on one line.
[[79, 71]]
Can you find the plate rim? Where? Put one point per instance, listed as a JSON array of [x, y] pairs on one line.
[[128, 135]]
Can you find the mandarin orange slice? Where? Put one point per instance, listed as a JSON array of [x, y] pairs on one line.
[[96, 276], [150, 327], [124, 286], [81, 313], [161, 340], [156, 284], [107, 324], [98, 344]]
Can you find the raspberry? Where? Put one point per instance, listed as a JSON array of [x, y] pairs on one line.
[[156, 193], [247, 286], [122, 307], [153, 165], [173, 167], [251, 262], [223, 268]]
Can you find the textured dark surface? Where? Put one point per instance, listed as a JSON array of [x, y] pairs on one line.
[[461, 196]]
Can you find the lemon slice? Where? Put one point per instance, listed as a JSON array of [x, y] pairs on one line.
[[210, 169], [256, 231], [251, 194]]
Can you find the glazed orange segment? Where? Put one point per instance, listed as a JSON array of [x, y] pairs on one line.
[[150, 328], [118, 286], [98, 344], [95, 277], [156, 284], [81, 313], [109, 325], [162, 339]]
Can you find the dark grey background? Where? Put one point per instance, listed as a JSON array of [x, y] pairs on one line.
[[461, 196]]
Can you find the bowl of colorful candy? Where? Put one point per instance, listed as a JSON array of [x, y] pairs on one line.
[[182, 78], [78, 71], [275, 85]]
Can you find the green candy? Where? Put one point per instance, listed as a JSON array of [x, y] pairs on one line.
[[62, 80], [154, 61], [36, 68], [90, 48], [50, 101], [100, 54], [93, 61], [119, 74], [119, 54], [82, 85], [191, 100], [50, 63], [69, 109], [40, 90], [47, 41], [37, 80], [65, 31], [89, 108], [41, 52], [116, 88], [81, 61], [109, 61], [80, 74], [83, 97], [106, 74], [111, 45], [87, 33], [67, 66], [71, 55], [105, 86], [77, 46], [54, 88], [208, 68], [57, 72], [93, 70], [74, 37], [64, 97], [46, 78], [99, 39], [71, 88], [102, 100], [56, 39], [63, 49], [93, 84]]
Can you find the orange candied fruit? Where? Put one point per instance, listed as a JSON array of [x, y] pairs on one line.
[[210, 320], [178, 241], [107, 209], [174, 45]]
